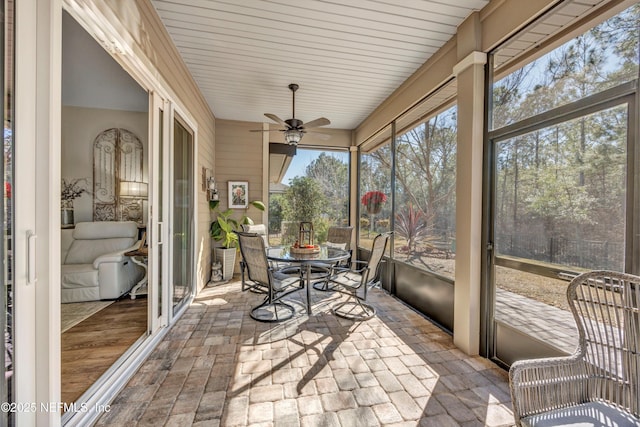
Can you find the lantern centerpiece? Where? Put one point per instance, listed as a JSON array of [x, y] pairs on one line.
[[304, 244]]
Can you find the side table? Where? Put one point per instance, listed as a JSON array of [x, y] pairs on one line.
[[139, 258]]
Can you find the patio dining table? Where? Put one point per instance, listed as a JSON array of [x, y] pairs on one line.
[[326, 255]]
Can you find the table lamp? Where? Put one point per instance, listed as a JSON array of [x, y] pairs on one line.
[[136, 191]]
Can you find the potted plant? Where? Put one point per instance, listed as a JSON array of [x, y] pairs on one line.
[[373, 200], [222, 230]]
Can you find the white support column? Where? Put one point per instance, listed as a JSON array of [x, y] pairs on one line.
[[265, 173], [466, 322]]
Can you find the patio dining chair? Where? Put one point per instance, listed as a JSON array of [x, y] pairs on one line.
[[357, 278], [337, 237], [598, 385], [277, 285], [260, 230]]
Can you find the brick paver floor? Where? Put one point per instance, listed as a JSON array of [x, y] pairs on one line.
[[218, 367], [551, 325]]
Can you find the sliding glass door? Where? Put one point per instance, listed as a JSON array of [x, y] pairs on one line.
[[183, 211]]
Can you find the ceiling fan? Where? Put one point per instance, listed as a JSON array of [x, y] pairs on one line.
[[294, 128]]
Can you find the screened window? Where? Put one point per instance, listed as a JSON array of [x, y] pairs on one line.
[[375, 194], [425, 174], [562, 190], [601, 58], [374, 188], [315, 188]]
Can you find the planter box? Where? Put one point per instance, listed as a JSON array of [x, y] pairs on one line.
[[226, 257]]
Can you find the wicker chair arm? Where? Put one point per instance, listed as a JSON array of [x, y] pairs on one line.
[[541, 385]]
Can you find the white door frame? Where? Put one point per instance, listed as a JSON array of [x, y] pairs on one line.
[[37, 161], [157, 232], [36, 196]]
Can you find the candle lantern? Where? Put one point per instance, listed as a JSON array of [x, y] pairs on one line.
[[306, 234]]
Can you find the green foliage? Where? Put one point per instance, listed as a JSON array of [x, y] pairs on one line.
[[383, 224], [320, 230], [332, 176], [223, 227], [275, 213], [303, 201], [568, 180], [561, 199], [258, 205], [364, 222]]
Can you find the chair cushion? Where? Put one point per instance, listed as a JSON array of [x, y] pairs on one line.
[[254, 228], [342, 246], [591, 414], [259, 229], [78, 276], [349, 278]]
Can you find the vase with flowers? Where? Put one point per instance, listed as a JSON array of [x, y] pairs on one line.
[[71, 190]]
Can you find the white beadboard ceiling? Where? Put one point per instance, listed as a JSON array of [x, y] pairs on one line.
[[347, 57]]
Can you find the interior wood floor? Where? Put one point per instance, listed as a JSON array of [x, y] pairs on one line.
[[93, 345]]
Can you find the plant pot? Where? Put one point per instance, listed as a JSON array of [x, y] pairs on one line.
[[226, 257], [374, 208]]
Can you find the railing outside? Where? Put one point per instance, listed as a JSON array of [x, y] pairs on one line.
[[590, 254]]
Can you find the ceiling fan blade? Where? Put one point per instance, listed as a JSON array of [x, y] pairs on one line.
[[267, 131], [276, 119], [316, 123]]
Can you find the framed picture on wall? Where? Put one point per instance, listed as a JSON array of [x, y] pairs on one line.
[[238, 194]]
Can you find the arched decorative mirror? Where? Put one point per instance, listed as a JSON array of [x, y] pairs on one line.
[[118, 185]]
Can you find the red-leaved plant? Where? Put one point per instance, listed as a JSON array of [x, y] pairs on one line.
[[373, 198], [410, 224]]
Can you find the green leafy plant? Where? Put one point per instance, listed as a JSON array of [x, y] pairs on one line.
[[224, 226]]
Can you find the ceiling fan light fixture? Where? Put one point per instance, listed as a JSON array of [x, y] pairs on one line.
[[292, 136]]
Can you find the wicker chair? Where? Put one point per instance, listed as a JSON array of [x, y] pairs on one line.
[[598, 385], [350, 280], [339, 237], [278, 285]]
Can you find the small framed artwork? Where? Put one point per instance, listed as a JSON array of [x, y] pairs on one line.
[[238, 194]]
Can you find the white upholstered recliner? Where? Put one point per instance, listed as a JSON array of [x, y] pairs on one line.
[[93, 263]]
